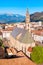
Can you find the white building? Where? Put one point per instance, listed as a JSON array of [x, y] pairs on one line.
[[38, 35], [6, 32]]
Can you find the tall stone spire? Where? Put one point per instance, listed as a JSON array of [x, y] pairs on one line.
[[27, 16], [27, 19]]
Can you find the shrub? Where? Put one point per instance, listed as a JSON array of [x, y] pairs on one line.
[[37, 54]]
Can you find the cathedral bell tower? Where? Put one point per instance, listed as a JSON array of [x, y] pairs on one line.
[[27, 22]]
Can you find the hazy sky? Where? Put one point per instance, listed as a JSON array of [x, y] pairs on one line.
[[19, 6]]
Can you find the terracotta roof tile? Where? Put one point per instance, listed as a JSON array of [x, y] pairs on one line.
[[30, 49], [8, 29], [37, 32]]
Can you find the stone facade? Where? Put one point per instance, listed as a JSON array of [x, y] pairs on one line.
[[27, 19], [20, 46]]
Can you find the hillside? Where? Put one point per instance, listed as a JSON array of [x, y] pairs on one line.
[[14, 18], [38, 16]]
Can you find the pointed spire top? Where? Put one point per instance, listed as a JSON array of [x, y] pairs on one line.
[[27, 12], [27, 9]]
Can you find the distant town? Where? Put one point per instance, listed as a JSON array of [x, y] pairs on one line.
[[19, 40]]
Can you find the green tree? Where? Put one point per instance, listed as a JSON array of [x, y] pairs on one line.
[[37, 54], [1, 43]]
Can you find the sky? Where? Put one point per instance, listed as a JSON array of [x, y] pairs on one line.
[[20, 6]]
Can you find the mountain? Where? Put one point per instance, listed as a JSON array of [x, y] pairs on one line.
[[11, 18], [37, 16]]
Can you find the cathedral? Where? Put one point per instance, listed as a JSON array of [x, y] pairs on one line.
[[21, 36]]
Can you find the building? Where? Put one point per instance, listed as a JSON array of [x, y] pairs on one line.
[[7, 31], [21, 38], [38, 35]]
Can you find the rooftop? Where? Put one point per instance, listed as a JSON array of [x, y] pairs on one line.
[[38, 32], [26, 38], [21, 59], [8, 29], [24, 35]]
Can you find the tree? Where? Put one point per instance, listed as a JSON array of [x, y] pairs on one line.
[[1, 43], [37, 54]]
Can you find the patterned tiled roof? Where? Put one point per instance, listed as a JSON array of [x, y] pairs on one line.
[[25, 36]]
